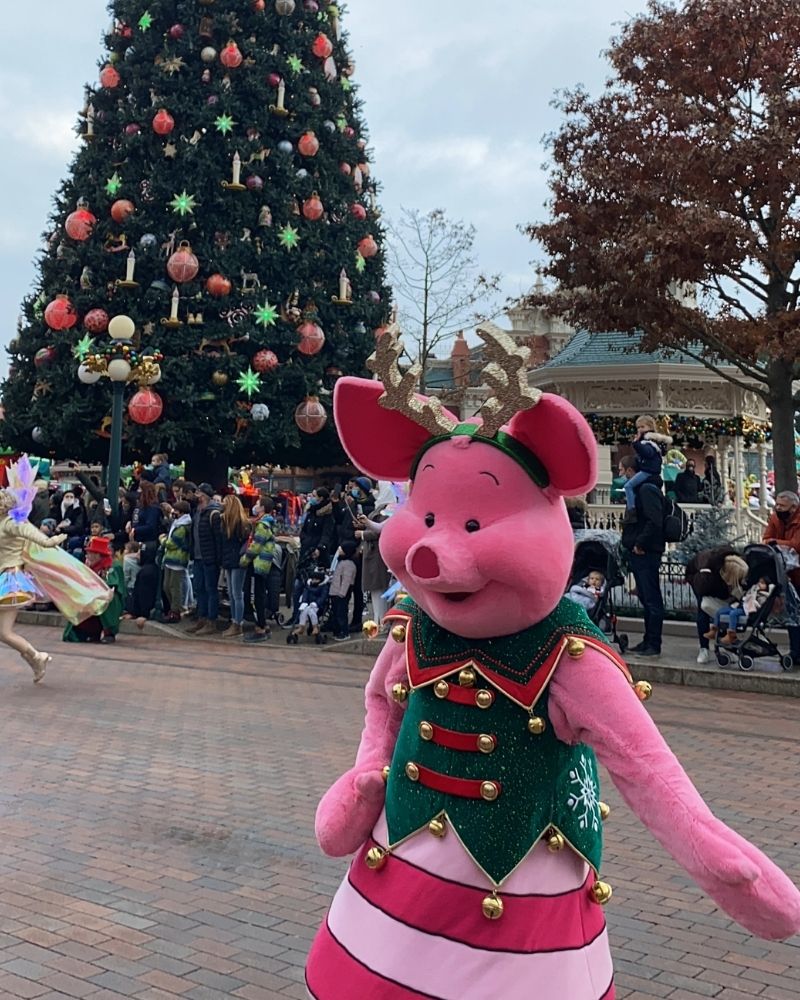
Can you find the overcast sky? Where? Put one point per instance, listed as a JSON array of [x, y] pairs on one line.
[[457, 99]]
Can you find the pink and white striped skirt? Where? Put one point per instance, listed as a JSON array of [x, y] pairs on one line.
[[415, 929]]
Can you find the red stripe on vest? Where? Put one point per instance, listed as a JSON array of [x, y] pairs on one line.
[[464, 788], [467, 742]]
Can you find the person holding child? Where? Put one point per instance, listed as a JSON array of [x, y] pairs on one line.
[[647, 447]]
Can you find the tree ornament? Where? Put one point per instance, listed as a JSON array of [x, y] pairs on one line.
[[133, 128], [37, 434], [163, 122], [255, 182], [224, 123], [368, 247], [83, 348], [183, 203], [249, 382], [122, 210], [313, 209], [257, 6], [60, 314], [265, 361], [259, 412], [295, 64], [274, 79], [308, 144], [96, 321], [344, 168], [284, 146], [266, 315], [311, 6], [329, 69], [312, 338], [113, 184], [79, 224], [218, 285], [264, 217], [314, 97], [219, 378], [145, 22], [310, 415], [148, 241], [45, 356], [231, 56], [208, 54], [109, 77], [284, 8], [145, 407], [301, 174], [322, 46], [288, 237], [183, 266], [176, 32], [358, 211], [87, 375]]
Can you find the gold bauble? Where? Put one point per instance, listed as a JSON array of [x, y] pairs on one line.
[[219, 378], [399, 633], [556, 842], [576, 648], [399, 692], [605, 810], [536, 725], [437, 828], [370, 629], [492, 907], [375, 858], [601, 892], [643, 689]]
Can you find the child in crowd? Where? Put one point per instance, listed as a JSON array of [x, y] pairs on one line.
[[312, 601], [734, 612], [344, 576], [130, 564], [647, 445], [177, 549], [589, 591]]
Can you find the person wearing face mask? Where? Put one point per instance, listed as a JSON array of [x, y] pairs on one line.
[[783, 529], [319, 527], [356, 501]]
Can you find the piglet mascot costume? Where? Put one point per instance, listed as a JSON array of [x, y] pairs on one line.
[[473, 805]]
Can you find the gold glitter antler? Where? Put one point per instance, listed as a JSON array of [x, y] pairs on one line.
[[400, 387], [506, 374]]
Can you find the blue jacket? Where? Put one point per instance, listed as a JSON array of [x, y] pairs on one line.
[[648, 457], [147, 524], [315, 595]]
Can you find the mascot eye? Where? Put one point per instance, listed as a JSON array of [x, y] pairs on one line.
[[472, 526], [430, 520]]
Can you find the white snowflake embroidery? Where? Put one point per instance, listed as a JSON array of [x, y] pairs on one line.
[[583, 795]]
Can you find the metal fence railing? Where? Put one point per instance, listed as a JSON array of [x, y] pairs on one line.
[[679, 599]]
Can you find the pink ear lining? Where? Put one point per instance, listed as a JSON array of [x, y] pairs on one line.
[[562, 440]]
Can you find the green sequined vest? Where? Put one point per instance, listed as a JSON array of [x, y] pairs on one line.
[[544, 785]]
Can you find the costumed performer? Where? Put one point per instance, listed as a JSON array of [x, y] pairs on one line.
[[33, 564], [102, 627], [473, 805]]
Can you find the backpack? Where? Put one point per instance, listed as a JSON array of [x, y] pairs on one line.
[[676, 523]]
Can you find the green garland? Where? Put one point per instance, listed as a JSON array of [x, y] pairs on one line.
[[692, 431]]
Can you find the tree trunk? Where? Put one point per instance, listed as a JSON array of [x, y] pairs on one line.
[[204, 468], [781, 405]]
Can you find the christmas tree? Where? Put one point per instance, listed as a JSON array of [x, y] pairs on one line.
[[222, 199]]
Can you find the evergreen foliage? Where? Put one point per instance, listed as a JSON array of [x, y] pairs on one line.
[[710, 529]]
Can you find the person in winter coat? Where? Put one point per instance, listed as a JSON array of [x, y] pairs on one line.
[[41, 504], [207, 554], [235, 534], [177, 550], [356, 500], [647, 448], [142, 599], [688, 485], [711, 489], [261, 553], [374, 574], [342, 582], [319, 528], [783, 528], [162, 477], [73, 522], [146, 520], [643, 540], [704, 575]]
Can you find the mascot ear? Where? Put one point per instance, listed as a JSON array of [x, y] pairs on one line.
[[562, 440], [382, 443]]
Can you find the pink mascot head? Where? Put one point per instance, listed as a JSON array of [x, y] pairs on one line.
[[484, 544]]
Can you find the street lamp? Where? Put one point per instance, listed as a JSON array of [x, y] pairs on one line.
[[121, 363]]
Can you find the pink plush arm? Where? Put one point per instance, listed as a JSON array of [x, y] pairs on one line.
[[351, 806], [591, 702]]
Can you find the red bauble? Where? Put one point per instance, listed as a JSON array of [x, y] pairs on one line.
[[254, 182], [218, 285], [45, 356], [322, 46], [176, 31], [109, 77], [96, 321], [358, 211], [308, 144], [312, 338], [310, 415], [60, 314], [265, 361], [79, 224], [231, 56], [368, 247], [163, 122], [257, 6], [313, 208], [183, 265], [274, 79], [346, 169], [122, 210], [132, 129], [349, 132], [145, 407]]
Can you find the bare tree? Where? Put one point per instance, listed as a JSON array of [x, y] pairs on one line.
[[437, 282]]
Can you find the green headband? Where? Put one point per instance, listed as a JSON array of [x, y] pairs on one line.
[[502, 441]]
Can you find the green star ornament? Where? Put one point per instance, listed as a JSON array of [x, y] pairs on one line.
[[146, 21], [83, 348], [224, 123], [346, 85], [295, 64], [113, 184], [249, 382], [183, 203], [360, 263], [266, 315], [289, 237]]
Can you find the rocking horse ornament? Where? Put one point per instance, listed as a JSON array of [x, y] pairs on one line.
[[473, 805]]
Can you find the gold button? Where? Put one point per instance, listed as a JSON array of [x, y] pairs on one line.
[[484, 698], [643, 689], [412, 771], [386, 772], [441, 689], [489, 791], [399, 633], [426, 730], [466, 677], [375, 858], [605, 810], [399, 692], [486, 744], [437, 828], [492, 907], [576, 647], [601, 892], [536, 725]]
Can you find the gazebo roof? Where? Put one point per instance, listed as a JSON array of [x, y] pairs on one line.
[[588, 350]]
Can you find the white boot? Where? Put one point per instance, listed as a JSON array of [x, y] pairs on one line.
[[38, 663]]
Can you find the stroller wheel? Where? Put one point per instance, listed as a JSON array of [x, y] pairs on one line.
[[623, 641], [280, 619], [787, 661], [723, 659], [318, 638], [746, 662]]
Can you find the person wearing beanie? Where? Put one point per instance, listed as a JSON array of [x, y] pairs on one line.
[[101, 559]]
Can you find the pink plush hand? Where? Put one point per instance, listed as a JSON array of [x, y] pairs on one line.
[[591, 702], [349, 810]]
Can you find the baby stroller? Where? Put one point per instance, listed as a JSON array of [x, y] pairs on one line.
[[598, 554], [763, 561], [316, 624]]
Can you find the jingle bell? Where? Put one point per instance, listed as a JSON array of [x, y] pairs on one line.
[[385, 772], [398, 633], [605, 810], [375, 858], [536, 725], [601, 892], [643, 689], [492, 907], [576, 648], [437, 828], [370, 629], [399, 692], [556, 842]]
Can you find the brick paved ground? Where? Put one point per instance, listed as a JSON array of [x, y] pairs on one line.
[[156, 826]]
